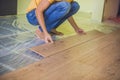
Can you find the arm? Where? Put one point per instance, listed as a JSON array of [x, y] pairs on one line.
[[74, 25], [44, 4]]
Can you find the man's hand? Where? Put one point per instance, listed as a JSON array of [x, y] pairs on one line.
[[79, 31], [48, 38], [75, 26]]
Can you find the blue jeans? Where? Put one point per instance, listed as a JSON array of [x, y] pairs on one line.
[[55, 15]]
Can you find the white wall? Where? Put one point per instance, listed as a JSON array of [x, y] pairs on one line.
[[22, 5], [97, 13], [95, 7], [86, 5], [90, 6]]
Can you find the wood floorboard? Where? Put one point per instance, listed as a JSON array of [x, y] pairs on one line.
[[102, 66], [97, 59], [65, 43]]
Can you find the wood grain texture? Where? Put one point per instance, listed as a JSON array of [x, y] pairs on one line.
[[65, 43], [99, 64], [97, 59]]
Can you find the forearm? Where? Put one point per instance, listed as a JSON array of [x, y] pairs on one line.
[[75, 26], [44, 4], [41, 21], [72, 22]]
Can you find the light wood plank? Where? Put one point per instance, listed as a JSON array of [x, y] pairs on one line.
[[52, 64], [99, 64], [66, 43]]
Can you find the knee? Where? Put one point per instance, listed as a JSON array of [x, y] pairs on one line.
[[65, 6], [75, 6]]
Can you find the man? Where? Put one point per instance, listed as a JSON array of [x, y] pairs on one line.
[[49, 14]]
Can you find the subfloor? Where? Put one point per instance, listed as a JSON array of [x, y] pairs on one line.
[[17, 36]]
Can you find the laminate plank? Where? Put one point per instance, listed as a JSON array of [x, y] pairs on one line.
[[103, 63], [100, 64], [66, 43]]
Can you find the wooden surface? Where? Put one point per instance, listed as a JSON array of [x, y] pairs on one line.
[[65, 43], [97, 59]]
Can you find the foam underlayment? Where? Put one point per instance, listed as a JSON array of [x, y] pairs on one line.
[[15, 39]]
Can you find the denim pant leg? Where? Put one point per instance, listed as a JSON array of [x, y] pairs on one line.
[[55, 13], [31, 17], [74, 8], [52, 15]]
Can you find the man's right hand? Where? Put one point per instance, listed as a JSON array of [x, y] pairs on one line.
[[48, 38]]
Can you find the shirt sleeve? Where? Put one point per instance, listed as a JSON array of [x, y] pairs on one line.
[[51, 1]]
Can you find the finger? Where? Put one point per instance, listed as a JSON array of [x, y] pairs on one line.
[[81, 32], [46, 40], [84, 33], [51, 41]]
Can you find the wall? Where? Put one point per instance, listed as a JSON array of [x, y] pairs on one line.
[[8, 7], [85, 5], [97, 13], [90, 6], [22, 5]]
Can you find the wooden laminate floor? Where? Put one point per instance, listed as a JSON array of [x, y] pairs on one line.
[[95, 56]]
